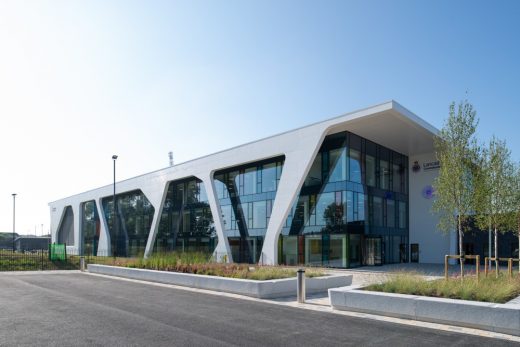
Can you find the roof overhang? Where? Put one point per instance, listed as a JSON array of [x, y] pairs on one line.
[[393, 126]]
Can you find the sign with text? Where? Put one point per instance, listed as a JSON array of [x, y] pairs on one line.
[[432, 165]]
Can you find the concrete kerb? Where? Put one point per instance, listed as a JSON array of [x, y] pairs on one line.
[[258, 289], [502, 318]]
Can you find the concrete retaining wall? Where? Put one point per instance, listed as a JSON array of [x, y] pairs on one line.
[[503, 318], [257, 289]]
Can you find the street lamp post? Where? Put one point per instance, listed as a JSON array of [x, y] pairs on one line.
[[14, 218], [114, 249]]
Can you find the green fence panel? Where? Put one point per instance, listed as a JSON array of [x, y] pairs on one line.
[[57, 251]]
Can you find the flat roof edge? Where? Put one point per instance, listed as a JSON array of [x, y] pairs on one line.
[[385, 106]]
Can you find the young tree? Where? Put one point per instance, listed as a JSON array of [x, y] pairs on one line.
[[456, 149], [495, 205], [516, 194]]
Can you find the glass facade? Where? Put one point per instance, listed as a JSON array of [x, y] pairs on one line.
[[186, 222], [246, 196], [134, 215], [89, 228], [352, 208]]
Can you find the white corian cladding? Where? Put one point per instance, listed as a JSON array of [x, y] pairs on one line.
[[433, 244], [388, 124]]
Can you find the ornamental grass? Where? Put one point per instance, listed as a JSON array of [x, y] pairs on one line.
[[202, 264], [487, 289]]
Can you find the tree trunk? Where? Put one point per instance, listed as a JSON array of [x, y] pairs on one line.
[[490, 245], [460, 248], [518, 255], [496, 251]]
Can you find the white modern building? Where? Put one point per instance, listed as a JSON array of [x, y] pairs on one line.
[[349, 191]]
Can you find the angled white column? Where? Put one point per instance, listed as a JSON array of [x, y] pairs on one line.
[[55, 226], [156, 195], [295, 168], [222, 251], [74, 248], [76, 212], [104, 246]]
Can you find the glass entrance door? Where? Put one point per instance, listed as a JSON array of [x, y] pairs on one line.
[[354, 250], [338, 251], [414, 252], [374, 249]]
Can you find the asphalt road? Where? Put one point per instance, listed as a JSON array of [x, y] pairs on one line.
[[79, 309]]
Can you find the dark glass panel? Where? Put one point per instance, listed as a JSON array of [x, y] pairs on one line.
[[90, 228], [338, 165], [377, 211], [390, 213], [134, 218], [186, 222], [355, 166], [371, 169], [269, 177]]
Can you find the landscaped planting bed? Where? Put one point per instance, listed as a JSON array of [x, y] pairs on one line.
[[202, 264], [487, 289]]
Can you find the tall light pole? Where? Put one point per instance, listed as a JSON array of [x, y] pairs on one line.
[[114, 249], [14, 217]]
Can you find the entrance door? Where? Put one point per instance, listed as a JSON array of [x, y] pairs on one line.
[[338, 251], [374, 246], [414, 253], [354, 250]]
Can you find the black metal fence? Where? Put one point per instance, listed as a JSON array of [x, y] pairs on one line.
[[34, 260]]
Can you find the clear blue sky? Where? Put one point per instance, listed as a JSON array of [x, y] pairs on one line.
[[82, 80]]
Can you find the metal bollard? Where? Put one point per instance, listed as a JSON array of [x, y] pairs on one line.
[[82, 263], [300, 280]]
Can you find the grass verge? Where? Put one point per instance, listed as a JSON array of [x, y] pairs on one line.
[[488, 289]]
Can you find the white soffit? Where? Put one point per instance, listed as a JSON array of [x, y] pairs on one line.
[[394, 127]]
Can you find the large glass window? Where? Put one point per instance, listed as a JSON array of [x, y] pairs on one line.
[[325, 209], [338, 165], [396, 177], [269, 177], [384, 174], [390, 213], [355, 166], [259, 214], [90, 228], [370, 164], [348, 205], [402, 214], [245, 197], [134, 215], [378, 211], [250, 181], [186, 222], [361, 207], [347, 201]]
